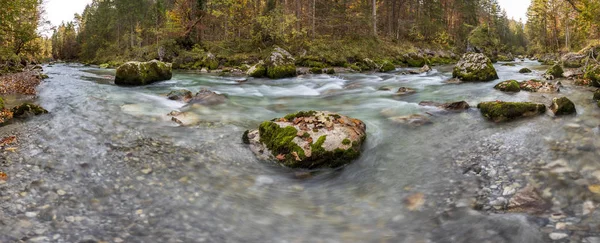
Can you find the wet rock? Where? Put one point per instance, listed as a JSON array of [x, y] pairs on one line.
[[424, 69], [538, 86], [593, 74], [311, 139], [474, 67], [562, 106], [573, 60], [387, 67], [185, 118], [27, 109], [280, 64], [558, 235], [180, 94], [142, 73], [258, 70], [412, 120], [405, 90], [385, 88], [508, 86], [510, 64], [208, 98], [451, 106], [556, 71], [528, 200], [525, 70], [597, 95], [500, 111]]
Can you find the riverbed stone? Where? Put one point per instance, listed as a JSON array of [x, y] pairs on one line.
[[528, 200], [573, 60], [308, 139], [593, 74], [525, 70], [501, 111], [27, 109], [414, 120], [508, 86], [562, 106], [405, 90], [280, 64], [180, 94], [208, 98], [538, 86], [474, 67], [451, 106], [142, 73], [556, 71]]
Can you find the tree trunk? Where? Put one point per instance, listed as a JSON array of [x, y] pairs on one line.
[[375, 18]]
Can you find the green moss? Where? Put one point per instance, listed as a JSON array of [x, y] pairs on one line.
[[1, 104], [416, 62], [316, 70], [335, 116], [355, 67], [593, 74], [104, 65], [525, 70], [279, 141], [500, 111], [211, 64], [563, 106], [259, 72], [27, 108], [471, 75], [305, 135], [283, 71], [330, 71], [597, 95], [245, 138], [556, 70], [346, 141], [508, 86], [291, 116], [388, 67]]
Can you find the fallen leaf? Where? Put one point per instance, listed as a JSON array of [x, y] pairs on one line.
[[415, 201], [11, 149], [594, 188], [3, 176], [280, 157], [7, 140]]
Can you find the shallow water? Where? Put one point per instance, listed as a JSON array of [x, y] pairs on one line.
[[107, 163]]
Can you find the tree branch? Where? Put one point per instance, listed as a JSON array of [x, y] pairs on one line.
[[573, 5]]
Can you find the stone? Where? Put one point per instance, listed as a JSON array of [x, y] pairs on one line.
[[208, 98], [424, 69], [258, 70], [451, 106], [180, 94], [573, 60], [556, 71], [142, 73], [528, 200], [525, 70], [562, 106], [508, 86], [280, 64], [405, 90], [474, 67], [558, 236], [27, 109], [308, 139], [412, 120], [501, 111], [539, 86], [597, 94], [387, 67]]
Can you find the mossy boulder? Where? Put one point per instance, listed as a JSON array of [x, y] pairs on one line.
[[330, 71], [562, 106], [258, 70], [27, 109], [500, 111], [210, 61], [525, 70], [280, 64], [180, 94], [316, 70], [597, 95], [308, 139], [593, 74], [387, 67], [142, 73], [539, 86], [474, 67], [508, 86], [573, 60], [556, 70]]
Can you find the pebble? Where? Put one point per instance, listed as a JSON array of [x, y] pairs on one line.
[[70, 219], [31, 214], [561, 225], [118, 240], [61, 192], [558, 236], [147, 171]]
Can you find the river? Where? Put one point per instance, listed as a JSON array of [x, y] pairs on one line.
[[108, 164]]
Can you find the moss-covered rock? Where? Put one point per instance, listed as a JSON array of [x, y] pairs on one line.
[[142, 73], [508, 86], [280, 64], [525, 70], [597, 94], [311, 139], [593, 74], [506, 58], [500, 111], [387, 67], [257, 71], [330, 71], [474, 67], [180, 94], [556, 70], [281, 71], [27, 109], [562, 106], [316, 70]]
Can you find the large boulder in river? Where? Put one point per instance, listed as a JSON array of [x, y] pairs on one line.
[[508, 86], [562, 106], [280, 64], [312, 139], [142, 73], [474, 67], [500, 111], [593, 74], [573, 60], [556, 70]]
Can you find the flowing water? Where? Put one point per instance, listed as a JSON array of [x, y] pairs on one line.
[[108, 164]]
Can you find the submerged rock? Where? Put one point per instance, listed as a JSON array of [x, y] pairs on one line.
[[405, 90], [142, 73], [562, 106], [424, 69], [451, 106], [207, 97], [27, 109], [185, 118], [180, 94], [508, 86], [312, 139], [593, 74], [538, 86], [528, 200], [525, 70], [413, 120], [474, 67], [556, 71], [500, 111]]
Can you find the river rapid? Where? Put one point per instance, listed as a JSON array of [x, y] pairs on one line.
[[108, 164]]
